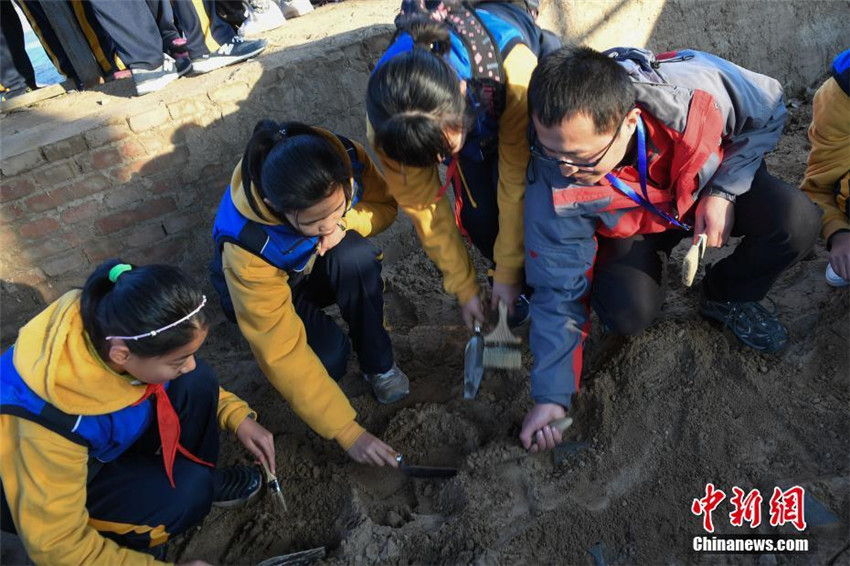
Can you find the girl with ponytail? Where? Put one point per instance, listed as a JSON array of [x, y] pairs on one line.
[[454, 91], [291, 238], [109, 422]]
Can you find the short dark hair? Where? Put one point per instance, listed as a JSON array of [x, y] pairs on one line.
[[294, 166], [412, 97], [580, 80], [142, 299]]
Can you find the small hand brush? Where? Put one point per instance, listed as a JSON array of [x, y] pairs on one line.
[[501, 347], [274, 488]]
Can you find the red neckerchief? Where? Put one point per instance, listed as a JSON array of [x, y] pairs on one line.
[[169, 429]]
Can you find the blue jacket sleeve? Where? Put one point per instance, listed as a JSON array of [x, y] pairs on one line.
[[560, 251]]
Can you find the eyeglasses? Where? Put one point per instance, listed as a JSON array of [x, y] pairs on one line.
[[540, 153]]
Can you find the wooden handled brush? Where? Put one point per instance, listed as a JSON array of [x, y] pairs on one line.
[[501, 347], [274, 488]]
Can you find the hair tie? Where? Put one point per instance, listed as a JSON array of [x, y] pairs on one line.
[[282, 133], [117, 270]]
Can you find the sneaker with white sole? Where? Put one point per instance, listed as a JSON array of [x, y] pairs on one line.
[[296, 8], [390, 386], [148, 81], [263, 16], [234, 51]]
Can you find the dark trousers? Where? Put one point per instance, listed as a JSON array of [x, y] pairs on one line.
[[778, 225], [349, 275], [16, 72], [134, 490], [203, 29], [133, 29]]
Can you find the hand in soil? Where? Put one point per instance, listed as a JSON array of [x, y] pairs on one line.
[[508, 294], [372, 451], [536, 424], [839, 254], [258, 441], [473, 310], [715, 217]]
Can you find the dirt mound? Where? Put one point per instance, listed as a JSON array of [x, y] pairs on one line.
[[659, 416]]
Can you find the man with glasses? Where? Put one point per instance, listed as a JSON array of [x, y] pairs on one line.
[[630, 155]]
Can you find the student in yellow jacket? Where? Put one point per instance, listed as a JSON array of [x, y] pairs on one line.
[[427, 102], [827, 180], [109, 423], [291, 238]]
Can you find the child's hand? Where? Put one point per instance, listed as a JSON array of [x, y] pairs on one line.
[[328, 242], [258, 441], [839, 254], [473, 310], [508, 294], [372, 451], [536, 424]]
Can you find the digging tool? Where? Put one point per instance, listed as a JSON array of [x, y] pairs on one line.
[[473, 364], [424, 472], [274, 488], [691, 262], [501, 347], [561, 425], [296, 558]]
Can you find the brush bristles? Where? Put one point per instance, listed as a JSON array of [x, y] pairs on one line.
[[503, 356]]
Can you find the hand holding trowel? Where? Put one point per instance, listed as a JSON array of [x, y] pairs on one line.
[[499, 349]]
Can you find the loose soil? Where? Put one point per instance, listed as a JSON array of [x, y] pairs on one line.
[[659, 415]]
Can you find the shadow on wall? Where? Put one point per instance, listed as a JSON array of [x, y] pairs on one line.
[[18, 302]]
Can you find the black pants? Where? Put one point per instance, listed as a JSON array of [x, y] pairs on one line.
[[778, 225], [134, 490], [349, 275], [16, 72], [134, 31], [204, 30]]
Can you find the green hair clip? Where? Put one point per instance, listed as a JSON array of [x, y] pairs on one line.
[[117, 270]]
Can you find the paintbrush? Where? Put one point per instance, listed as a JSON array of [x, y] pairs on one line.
[[274, 487], [501, 347]]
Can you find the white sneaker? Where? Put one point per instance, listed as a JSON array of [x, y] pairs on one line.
[[295, 8], [148, 81], [263, 16]]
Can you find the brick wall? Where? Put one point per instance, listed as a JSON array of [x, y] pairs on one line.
[[144, 187]]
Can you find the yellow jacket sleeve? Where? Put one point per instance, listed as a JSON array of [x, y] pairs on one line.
[[829, 159], [44, 479], [232, 410], [262, 300], [416, 190], [508, 251], [377, 210]]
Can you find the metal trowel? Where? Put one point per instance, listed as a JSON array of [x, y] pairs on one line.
[[473, 364], [424, 472]]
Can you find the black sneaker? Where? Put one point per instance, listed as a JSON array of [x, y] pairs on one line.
[[753, 324], [235, 50], [522, 311], [235, 485]]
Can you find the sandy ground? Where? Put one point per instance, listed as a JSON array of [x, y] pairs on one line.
[[659, 415]]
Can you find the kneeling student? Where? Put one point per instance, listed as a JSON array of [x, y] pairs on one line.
[[291, 238], [109, 422]]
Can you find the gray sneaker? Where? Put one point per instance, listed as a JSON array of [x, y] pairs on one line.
[[157, 79], [390, 386]]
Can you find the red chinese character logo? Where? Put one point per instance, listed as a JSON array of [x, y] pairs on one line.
[[787, 507], [746, 508], [706, 505]]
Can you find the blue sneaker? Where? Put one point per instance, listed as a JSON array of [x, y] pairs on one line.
[[521, 314], [751, 323]]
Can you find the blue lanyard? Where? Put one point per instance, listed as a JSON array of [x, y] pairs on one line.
[[630, 192]]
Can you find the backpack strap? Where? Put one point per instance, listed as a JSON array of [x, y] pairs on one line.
[[52, 419]]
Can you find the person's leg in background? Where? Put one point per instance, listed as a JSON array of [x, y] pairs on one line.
[[628, 291], [44, 31], [779, 225], [99, 41], [16, 72]]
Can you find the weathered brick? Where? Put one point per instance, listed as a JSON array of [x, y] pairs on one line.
[[101, 249], [39, 227], [25, 161], [106, 134], [144, 211], [47, 247], [175, 160], [86, 211], [187, 108], [230, 92], [180, 222], [64, 149], [124, 195], [8, 239], [88, 186], [16, 188], [105, 158], [57, 175], [155, 142], [63, 263], [131, 150], [149, 119], [46, 200], [169, 250], [30, 277], [127, 172], [11, 212], [144, 235]]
